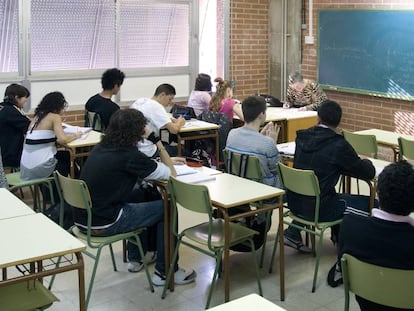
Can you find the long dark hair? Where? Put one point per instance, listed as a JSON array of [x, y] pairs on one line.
[[125, 128], [53, 102]]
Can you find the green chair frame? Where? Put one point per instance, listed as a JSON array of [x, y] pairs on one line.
[[207, 237], [304, 182], [385, 286], [248, 166], [406, 148], [75, 192], [39, 204], [93, 120]]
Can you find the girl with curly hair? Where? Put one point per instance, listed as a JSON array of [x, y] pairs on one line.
[[223, 101], [40, 157]]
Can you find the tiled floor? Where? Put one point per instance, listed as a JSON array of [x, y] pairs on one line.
[[126, 291]]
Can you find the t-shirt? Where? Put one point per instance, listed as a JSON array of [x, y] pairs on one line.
[[226, 107], [105, 107], [199, 101]]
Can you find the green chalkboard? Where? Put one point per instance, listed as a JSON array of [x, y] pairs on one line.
[[367, 51]]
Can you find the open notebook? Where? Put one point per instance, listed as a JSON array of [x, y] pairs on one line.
[[70, 129], [190, 175]]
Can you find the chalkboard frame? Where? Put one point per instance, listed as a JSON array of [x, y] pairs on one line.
[[326, 75]]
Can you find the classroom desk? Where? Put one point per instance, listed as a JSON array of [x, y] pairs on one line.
[[248, 303], [228, 191], [387, 139], [32, 239], [291, 119], [11, 206], [81, 147], [195, 129]]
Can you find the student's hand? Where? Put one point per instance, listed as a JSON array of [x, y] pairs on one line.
[[286, 105], [180, 121], [78, 134], [302, 108], [178, 160], [271, 130]]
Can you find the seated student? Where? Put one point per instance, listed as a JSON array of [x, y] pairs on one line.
[[102, 103], [223, 101], [40, 157], [264, 147], [200, 97], [303, 93], [325, 151], [154, 109], [387, 238], [111, 173], [13, 124]]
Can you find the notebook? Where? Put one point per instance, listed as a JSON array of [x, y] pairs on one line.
[[70, 129], [196, 177], [184, 170]]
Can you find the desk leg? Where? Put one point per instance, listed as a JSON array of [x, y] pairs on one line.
[[72, 162], [81, 281], [218, 151], [281, 252], [226, 265], [179, 145]]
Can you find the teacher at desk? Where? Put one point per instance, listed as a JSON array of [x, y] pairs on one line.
[[303, 93]]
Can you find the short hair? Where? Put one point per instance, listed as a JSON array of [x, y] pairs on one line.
[[112, 77], [330, 113], [165, 88], [203, 82], [126, 127], [53, 102], [14, 90], [395, 188], [296, 77], [252, 106]]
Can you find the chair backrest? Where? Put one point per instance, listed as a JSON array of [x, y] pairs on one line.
[[363, 144], [93, 120], [303, 182], [75, 192], [406, 148], [385, 286], [243, 165]]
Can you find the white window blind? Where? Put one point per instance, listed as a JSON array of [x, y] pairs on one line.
[[9, 32]]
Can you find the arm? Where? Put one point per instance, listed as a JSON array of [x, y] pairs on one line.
[[290, 97], [18, 120], [165, 158], [62, 138], [175, 125], [353, 165], [317, 96], [271, 130], [238, 111]]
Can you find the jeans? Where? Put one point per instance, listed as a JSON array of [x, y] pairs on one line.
[[138, 215]]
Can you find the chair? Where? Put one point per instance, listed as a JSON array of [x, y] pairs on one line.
[[305, 182], [93, 120], [209, 234], [15, 182], [75, 192], [406, 148], [363, 144], [385, 286], [248, 166]]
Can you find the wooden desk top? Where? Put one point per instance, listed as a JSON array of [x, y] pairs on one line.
[[34, 237], [228, 190], [11, 206], [249, 302], [385, 137], [92, 139]]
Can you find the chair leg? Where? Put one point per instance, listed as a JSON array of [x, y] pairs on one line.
[[219, 257], [171, 269], [124, 251], [259, 284], [113, 257], [141, 252], [95, 266], [318, 256], [268, 216]]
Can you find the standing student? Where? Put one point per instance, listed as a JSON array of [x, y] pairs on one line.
[[200, 97], [223, 101], [111, 173], [303, 93], [13, 124], [40, 156], [324, 150], [102, 103], [154, 109], [387, 238]]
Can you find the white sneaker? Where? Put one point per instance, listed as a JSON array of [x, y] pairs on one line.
[[135, 266], [181, 277]]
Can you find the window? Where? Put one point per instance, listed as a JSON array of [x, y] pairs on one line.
[[9, 31]]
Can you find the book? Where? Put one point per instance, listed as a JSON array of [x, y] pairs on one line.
[[196, 177], [70, 130], [184, 170]]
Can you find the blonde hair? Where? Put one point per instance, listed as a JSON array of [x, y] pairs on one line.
[[221, 88]]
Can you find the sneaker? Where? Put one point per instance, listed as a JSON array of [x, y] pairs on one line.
[[135, 266], [335, 276], [181, 277], [298, 245], [150, 257]]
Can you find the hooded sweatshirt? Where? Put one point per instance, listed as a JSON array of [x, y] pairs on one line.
[[329, 155]]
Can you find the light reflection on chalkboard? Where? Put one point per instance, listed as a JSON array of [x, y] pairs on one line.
[[396, 91], [404, 122]]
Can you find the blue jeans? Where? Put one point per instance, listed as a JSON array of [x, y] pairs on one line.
[[138, 215]]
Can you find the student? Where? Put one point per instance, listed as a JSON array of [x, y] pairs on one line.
[[200, 97], [102, 103], [264, 147], [387, 238], [111, 173], [154, 109], [40, 157], [13, 124], [222, 101], [325, 151], [303, 93]]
